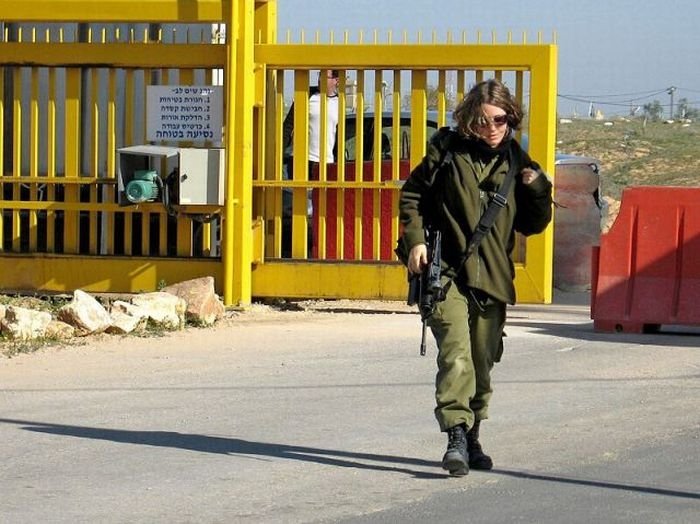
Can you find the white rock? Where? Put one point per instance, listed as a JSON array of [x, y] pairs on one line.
[[127, 318], [203, 305], [85, 314], [24, 324], [163, 309]]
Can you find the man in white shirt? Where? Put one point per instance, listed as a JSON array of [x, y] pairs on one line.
[[315, 119], [331, 119]]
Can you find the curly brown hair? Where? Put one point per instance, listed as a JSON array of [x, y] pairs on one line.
[[468, 113]]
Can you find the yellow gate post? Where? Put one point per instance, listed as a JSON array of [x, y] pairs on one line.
[[237, 241], [534, 277]]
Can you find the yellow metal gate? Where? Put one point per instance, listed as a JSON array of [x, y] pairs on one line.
[[351, 253], [73, 94]]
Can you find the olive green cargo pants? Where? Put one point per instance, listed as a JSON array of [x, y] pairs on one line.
[[468, 329]]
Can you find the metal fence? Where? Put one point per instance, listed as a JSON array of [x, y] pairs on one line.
[[74, 93]]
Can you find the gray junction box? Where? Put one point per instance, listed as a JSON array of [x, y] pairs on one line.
[[197, 173]]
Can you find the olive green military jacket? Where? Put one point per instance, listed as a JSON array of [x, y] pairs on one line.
[[454, 198]]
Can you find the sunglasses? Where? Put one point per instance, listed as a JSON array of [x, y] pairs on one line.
[[498, 121]]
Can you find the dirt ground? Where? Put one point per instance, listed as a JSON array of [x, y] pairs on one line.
[[321, 312], [279, 312]]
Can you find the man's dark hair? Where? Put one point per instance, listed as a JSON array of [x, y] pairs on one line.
[[335, 73]]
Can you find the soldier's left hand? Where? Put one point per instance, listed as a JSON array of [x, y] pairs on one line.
[[529, 175]]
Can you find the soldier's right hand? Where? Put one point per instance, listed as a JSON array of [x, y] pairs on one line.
[[417, 258]]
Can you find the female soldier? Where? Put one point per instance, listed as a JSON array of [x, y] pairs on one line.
[[451, 197]]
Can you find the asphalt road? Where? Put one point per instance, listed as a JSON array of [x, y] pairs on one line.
[[326, 416]]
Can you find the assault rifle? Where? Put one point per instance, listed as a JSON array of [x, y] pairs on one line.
[[425, 288]]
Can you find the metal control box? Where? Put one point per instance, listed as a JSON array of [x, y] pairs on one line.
[[191, 176], [201, 177]]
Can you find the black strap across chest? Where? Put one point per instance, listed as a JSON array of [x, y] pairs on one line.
[[498, 202]]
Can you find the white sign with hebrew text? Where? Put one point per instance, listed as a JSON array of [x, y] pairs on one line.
[[184, 113]]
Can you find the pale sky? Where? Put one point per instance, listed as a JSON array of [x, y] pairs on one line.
[[615, 53]]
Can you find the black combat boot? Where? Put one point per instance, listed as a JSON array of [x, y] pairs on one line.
[[477, 458], [455, 459]]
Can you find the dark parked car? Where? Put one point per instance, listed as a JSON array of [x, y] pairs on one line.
[[368, 135]]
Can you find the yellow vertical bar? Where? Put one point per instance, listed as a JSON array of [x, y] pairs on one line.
[[130, 138], [396, 128], [377, 134], [340, 192], [442, 98], [33, 157], [520, 249], [184, 237], [269, 119], [359, 160], [275, 199], [262, 153], [72, 133], [342, 112], [377, 158], [145, 233], [300, 166], [108, 190], [320, 210], [323, 124], [130, 132], [51, 159], [206, 238], [419, 107], [94, 158], [396, 151], [206, 228], [184, 225], [461, 86], [16, 156]]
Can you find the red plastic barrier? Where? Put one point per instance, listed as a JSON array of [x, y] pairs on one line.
[[646, 271], [387, 241]]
